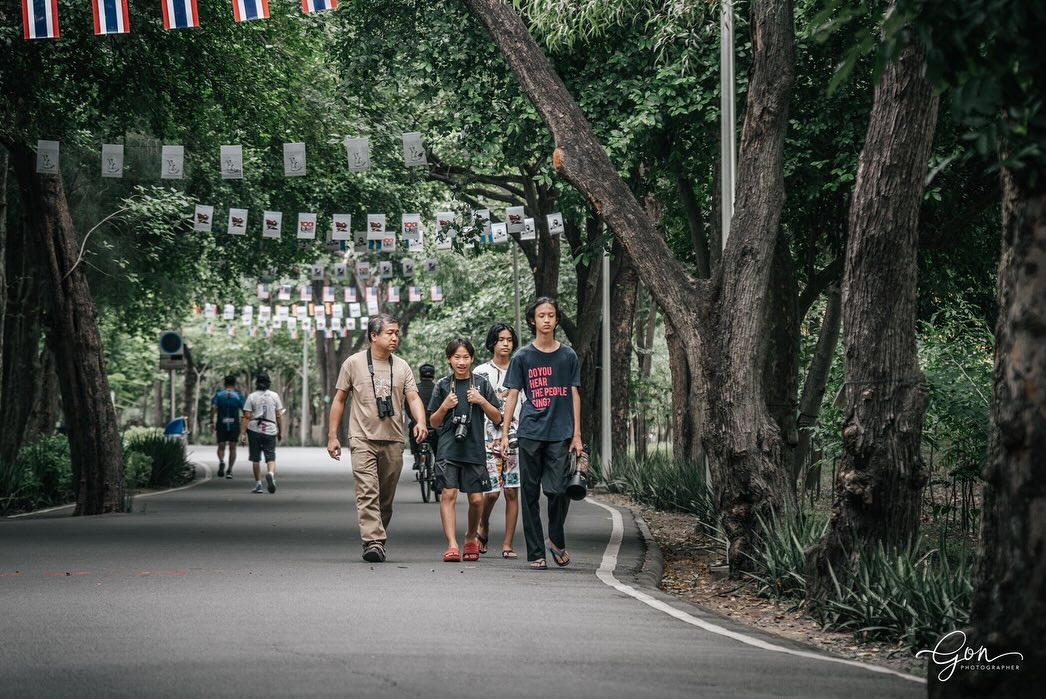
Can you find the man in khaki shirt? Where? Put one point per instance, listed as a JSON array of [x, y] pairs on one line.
[[379, 383]]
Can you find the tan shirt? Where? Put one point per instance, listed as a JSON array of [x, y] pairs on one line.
[[354, 378]]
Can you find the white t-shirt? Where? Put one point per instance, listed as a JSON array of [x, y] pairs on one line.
[[496, 377], [263, 406]]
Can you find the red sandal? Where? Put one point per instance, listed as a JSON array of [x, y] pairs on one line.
[[471, 551], [451, 555]]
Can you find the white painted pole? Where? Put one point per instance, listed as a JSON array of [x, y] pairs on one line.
[[304, 385], [515, 279], [174, 402], [605, 446], [728, 118]]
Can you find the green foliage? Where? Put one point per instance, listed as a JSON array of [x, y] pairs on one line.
[[169, 464], [664, 483], [138, 468], [911, 595], [40, 476], [780, 555]]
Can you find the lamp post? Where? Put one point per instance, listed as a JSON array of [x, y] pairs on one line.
[[728, 119]]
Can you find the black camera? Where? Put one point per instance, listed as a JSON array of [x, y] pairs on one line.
[[461, 427], [385, 408]]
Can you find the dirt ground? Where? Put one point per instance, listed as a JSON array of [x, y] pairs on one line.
[[688, 576]]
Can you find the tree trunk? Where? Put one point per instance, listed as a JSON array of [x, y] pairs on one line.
[[90, 418], [624, 287], [45, 408], [645, 330], [741, 436], [158, 404], [815, 385], [3, 261], [781, 372], [687, 414], [1009, 601], [880, 480]]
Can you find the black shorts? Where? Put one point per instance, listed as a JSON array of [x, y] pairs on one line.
[[468, 478], [224, 435], [257, 443]]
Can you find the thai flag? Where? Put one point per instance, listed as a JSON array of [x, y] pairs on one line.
[[180, 14], [310, 6], [110, 17], [40, 19], [246, 10]]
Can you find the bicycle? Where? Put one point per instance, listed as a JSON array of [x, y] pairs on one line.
[[425, 473]]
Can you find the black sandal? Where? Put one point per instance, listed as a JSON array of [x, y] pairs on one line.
[[539, 564]]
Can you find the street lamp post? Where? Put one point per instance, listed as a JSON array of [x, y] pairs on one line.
[[728, 120]]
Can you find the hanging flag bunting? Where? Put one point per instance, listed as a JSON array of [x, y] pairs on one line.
[[237, 221], [388, 243], [514, 218], [247, 315], [375, 232], [530, 231], [40, 19], [394, 293], [337, 310], [110, 17], [318, 271], [437, 293], [408, 268], [412, 226], [499, 233], [555, 224], [350, 295], [413, 151], [284, 294], [228, 312], [372, 307], [47, 157], [232, 162], [481, 219], [272, 223], [264, 314], [201, 220], [358, 152], [246, 10], [263, 291], [231, 331], [414, 294], [328, 294], [305, 293], [294, 159], [340, 271], [363, 271], [209, 311], [112, 160], [431, 266], [445, 224], [385, 269], [172, 162], [310, 6], [307, 226], [354, 310], [180, 14], [342, 228], [350, 324]]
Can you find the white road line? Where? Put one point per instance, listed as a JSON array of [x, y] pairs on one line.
[[606, 574]]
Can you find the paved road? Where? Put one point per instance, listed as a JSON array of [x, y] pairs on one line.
[[213, 591]]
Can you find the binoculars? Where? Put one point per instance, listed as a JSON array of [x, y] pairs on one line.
[[385, 408]]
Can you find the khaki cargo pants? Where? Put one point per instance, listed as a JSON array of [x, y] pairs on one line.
[[376, 467]]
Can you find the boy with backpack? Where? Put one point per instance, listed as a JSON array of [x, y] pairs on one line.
[[261, 428]]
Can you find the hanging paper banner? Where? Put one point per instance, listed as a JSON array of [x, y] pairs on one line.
[[180, 14], [376, 223], [301, 313], [350, 295], [231, 331], [342, 228], [264, 314], [228, 312], [481, 219], [555, 224], [358, 152], [385, 269], [247, 315], [530, 231], [413, 151], [306, 326], [273, 222], [414, 294], [310, 6], [372, 294], [201, 220], [514, 219], [354, 310], [363, 271], [408, 268], [350, 323], [341, 271], [293, 159], [263, 291], [499, 233], [47, 157], [431, 266], [445, 225], [437, 293], [336, 324], [110, 17], [394, 294], [112, 160], [411, 226], [372, 308], [318, 271], [307, 226], [283, 313], [337, 310], [246, 10], [328, 294], [172, 162], [209, 311], [388, 243], [415, 246], [232, 162], [237, 221], [447, 244], [318, 309], [40, 19], [284, 293]]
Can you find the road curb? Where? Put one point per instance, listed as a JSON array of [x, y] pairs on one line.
[[652, 565]]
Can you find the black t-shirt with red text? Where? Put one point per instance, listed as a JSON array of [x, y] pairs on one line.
[[546, 378]]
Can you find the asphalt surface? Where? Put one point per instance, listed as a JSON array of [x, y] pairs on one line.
[[214, 591]]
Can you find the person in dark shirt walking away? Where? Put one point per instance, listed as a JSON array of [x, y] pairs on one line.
[[459, 406], [549, 429], [225, 421]]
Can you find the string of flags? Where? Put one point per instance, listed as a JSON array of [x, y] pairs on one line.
[[172, 158], [40, 17]]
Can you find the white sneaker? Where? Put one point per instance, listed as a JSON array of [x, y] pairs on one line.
[[258, 488]]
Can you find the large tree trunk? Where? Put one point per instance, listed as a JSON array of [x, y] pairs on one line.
[[815, 385], [73, 336], [781, 372], [3, 262], [646, 328], [46, 409], [624, 287], [741, 436], [1009, 601], [881, 478]]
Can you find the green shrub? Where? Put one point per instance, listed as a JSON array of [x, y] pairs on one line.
[[903, 595], [40, 476], [169, 465], [138, 469], [664, 483], [780, 558]]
